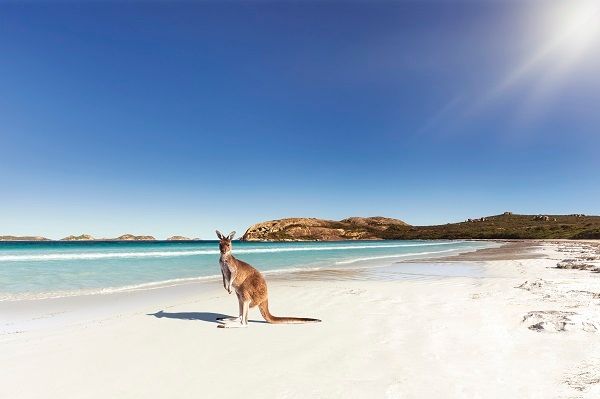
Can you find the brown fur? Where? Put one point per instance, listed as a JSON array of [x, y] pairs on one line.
[[249, 284]]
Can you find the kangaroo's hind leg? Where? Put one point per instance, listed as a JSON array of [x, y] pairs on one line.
[[245, 308], [242, 322], [240, 309]]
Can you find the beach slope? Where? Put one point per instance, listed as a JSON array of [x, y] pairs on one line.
[[495, 327]]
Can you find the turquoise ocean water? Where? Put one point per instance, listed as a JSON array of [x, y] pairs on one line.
[[55, 269]]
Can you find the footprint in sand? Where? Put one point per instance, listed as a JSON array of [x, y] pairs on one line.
[[584, 376]]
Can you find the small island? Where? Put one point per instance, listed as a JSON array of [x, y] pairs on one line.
[[131, 237], [88, 237], [23, 238], [82, 237]]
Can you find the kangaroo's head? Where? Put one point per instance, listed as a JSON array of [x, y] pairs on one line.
[[225, 242]]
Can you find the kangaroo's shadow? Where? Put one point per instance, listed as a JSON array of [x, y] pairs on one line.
[[208, 317]]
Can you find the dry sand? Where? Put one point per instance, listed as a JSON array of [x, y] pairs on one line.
[[514, 326]]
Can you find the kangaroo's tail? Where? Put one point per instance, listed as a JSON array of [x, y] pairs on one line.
[[264, 310]]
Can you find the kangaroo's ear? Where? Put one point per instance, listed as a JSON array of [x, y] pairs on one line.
[[219, 234], [230, 236]]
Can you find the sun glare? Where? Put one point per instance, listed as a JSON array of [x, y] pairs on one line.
[[576, 26], [569, 38]]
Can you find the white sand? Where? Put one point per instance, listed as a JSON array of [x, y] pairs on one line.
[[457, 337]]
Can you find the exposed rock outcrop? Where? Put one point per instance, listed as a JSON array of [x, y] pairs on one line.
[[82, 237], [131, 237], [558, 321], [311, 229], [178, 238]]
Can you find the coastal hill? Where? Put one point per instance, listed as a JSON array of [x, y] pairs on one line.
[[504, 226], [292, 229]]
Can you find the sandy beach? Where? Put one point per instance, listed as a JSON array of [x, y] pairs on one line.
[[497, 323]]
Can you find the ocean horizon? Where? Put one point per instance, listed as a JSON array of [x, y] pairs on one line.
[[52, 269]]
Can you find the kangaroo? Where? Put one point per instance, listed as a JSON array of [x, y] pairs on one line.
[[250, 287]]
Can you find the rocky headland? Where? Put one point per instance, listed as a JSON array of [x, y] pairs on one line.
[[311, 229], [504, 226]]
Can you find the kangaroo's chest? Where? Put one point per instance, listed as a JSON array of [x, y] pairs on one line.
[[225, 267]]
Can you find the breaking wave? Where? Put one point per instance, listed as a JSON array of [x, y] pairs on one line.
[[169, 254]]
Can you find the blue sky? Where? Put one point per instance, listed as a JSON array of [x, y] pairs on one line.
[[178, 118]]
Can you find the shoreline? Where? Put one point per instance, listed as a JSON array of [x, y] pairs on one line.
[[494, 328], [358, 263], [508, 250]]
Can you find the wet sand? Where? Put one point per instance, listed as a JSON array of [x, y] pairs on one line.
[[508, 250]]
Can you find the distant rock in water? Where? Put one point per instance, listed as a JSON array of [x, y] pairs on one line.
[[23, 238], [178, 238], [83, 237], [311, 229], [131, 237]]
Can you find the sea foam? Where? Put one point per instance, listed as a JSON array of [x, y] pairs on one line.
[[168, 254]]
